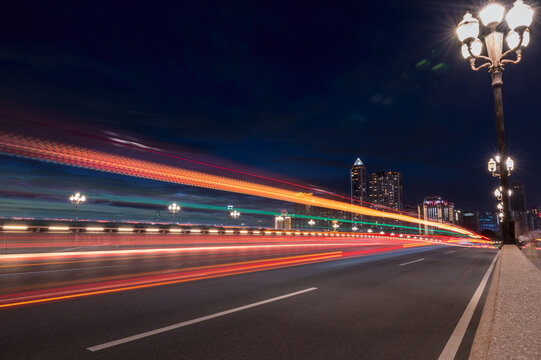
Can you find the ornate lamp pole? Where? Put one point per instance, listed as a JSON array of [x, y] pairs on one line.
[[518, 19], [174, 208], [235, 214], [77, 199]]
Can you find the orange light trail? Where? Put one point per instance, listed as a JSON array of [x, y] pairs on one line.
[[48, 295], [59, 153]]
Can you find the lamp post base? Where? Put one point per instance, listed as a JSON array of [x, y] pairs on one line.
[[508, 232]]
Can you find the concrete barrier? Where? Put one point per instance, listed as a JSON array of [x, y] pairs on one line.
[[510, 326]]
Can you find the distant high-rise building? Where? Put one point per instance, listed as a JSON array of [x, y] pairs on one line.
[[358, 182], [470, 220], [436, 209], [518, 208], [488, 220], [385, 188]]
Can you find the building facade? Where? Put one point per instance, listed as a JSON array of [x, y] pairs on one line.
[[282, 221], [436, 209], [385, 189], [470, 221], [488, 220]]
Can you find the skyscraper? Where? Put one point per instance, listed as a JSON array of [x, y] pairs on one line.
[[385, 188], [518, 208], [358, 182]]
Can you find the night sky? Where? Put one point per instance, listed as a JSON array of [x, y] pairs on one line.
[[295, 90]]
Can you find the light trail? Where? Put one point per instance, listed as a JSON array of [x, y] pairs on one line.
[[162, 153], [174, 276], [188, 249], [55, 152], [48, 295]]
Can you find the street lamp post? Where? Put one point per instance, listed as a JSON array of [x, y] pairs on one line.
[[519, 19], [77, 199], [174, 208], [311, 222], [234, 214]]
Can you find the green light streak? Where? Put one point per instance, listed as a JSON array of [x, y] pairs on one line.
[[407, 229]]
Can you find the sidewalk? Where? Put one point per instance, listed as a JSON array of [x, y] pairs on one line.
[[510, 326]]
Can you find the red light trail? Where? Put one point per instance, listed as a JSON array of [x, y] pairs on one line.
[[55, 152]]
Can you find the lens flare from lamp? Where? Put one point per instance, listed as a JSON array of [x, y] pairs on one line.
[[492, 14], [521, 15], [513, 39], [468, 28]]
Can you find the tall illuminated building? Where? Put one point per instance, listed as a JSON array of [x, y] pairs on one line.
[[358, 182], [385, 189]]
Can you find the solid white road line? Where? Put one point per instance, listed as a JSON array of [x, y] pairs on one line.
[[449, 252], [451, 348], [411, 262], [194, 321]]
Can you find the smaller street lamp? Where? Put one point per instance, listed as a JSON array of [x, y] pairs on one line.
[[311, 222], [234, 214], [354, 228], [77, 199], [174, 208], [335, 225]]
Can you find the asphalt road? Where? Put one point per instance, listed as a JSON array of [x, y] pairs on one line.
[[389, 305]]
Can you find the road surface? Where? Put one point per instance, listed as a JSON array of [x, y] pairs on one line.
[[396, 304]]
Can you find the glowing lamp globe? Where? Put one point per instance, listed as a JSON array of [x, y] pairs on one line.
[[492, 14], [510, 164], [476, 48], [468, 28], [492, 165], [513, 39], [521, 15]]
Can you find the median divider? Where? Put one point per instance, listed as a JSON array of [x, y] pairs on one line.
[[510, 325]]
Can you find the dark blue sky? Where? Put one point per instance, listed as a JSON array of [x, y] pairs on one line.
[[299, 89]]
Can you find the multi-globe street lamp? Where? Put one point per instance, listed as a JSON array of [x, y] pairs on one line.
[[494, 166], [77, 199], [518, 18], [234, 214], [311, 222], [174, 208]]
